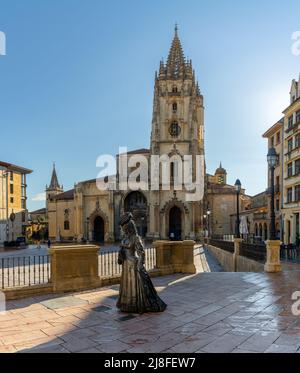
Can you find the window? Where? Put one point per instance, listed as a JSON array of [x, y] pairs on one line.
[[66, 225], [11, 187], [175, 129], [278, 138], [221, 180], [297, 167], [11, 199], [23, 191], [174, 89], [290, 145], [298, 116], [290, 122], [277, 205], [290, 169], [172, 166], [11, 176], [289, 195], [272, 141], [174, 107], [297, 193], [297, 141], [23, 217]]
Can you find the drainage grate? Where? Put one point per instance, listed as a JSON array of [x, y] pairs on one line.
[[126, 318], [101, 309]]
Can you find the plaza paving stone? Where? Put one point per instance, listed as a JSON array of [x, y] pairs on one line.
[[211, 311]]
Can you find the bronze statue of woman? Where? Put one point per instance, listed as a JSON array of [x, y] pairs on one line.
[[137, 293]]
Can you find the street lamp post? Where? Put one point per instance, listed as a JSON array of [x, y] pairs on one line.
[[273, 264], [272, 162], [238, 187], [208, 222]]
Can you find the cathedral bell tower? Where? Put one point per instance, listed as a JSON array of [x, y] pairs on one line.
[[177, 127], [54, 188]]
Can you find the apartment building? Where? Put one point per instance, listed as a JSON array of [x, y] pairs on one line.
[[291, 167], [13, 209]]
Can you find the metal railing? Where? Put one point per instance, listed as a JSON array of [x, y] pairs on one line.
[[109, 267], [253, 251], [24, 271], [224, 245]]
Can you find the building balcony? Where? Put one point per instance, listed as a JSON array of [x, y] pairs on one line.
[[260, 216], [293, 175], [294, 128], [292, 202]]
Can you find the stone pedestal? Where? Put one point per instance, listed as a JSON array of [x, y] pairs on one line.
[[273, 256], [74, 267], [237, 247], [175, 257]]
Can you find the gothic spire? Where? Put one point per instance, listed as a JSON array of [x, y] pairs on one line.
[[54, 180], [176, 60]]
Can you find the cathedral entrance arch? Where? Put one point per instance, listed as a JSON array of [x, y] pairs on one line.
[[136, 203], [98, 231], [175, 223]]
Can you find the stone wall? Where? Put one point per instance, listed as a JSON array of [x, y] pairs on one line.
[[225, 258], [227, 261]]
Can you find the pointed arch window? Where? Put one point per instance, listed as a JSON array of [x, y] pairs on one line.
[[175, 129], [174, 107], [174, 89], [66, 225]]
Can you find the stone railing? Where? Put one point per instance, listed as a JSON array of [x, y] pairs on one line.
[[79, 267], [247, 258]]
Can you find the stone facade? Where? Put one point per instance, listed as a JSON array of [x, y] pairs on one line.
[[221, 203], [177, 130], [255, 216], [275, 137]]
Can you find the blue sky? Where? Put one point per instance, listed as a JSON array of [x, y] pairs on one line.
[[77, 80]]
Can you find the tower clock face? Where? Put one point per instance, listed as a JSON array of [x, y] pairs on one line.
[[174, 129]]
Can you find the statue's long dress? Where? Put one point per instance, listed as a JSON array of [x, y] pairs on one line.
[[137, 293]]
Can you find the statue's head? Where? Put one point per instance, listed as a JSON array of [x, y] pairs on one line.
[[127, 224]]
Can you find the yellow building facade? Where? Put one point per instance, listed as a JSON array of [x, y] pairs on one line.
[[13, 209]]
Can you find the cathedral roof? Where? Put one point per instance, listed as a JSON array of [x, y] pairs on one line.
[[138, 151], [69, 194], [40, 211]]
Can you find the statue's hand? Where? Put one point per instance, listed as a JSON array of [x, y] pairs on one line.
[[121, 256]]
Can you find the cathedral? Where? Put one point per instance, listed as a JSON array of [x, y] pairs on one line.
[[86, 213]]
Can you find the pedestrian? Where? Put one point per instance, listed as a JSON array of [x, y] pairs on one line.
[[49, 244], [39, 244]]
